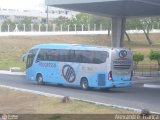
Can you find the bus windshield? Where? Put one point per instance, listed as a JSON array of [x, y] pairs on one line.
[[30, 58]]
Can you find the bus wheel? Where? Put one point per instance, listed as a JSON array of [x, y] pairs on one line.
[[84, 83], [39, 79]]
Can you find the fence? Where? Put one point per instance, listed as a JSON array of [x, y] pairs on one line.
[[62, 28], [147, 70], [50, 27]]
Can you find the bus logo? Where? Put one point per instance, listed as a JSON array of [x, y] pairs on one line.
[[68, 73], [122, 53]]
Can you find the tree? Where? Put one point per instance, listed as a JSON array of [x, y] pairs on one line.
[[146, 27], [155, 55], [81, 19], [137, 57], [27, 22], [129, 40], [146, 24], [99, 20], [8, 26], [87, 21], [61, 22], [132, 24]]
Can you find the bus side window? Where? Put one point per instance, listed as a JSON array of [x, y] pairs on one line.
[[71, 56], [55, 55], [66, 55], [45, 56], [88, 56], [79, 58], [39, 57], [60, 56], [42, 56], [50, 56]]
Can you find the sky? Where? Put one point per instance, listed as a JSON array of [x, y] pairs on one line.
[[23, 4]]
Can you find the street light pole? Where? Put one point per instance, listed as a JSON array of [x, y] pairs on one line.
[[47, 15]]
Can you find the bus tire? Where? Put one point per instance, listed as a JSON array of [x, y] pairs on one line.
[[84, 84], [39, 79]]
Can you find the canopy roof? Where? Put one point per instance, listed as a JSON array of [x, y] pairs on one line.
[[111, 7]]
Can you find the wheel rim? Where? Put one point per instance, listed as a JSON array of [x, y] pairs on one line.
[[85, 84], [39, 80]]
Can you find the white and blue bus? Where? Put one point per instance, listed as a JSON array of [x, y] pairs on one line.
[[80, 65]]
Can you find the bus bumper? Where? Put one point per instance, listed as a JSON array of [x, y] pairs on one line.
[[122, 84]]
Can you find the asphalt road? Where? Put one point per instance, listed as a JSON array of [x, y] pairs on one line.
[[136, 97]]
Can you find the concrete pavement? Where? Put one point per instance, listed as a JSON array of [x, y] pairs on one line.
[[147, 81], [135, 97]]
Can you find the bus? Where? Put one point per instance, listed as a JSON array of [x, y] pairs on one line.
[[80, 65]]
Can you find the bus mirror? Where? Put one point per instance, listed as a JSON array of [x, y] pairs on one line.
[[23, 58], [30, 55], [38, 60]]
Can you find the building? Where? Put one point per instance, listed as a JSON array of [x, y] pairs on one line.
[[35, 15]]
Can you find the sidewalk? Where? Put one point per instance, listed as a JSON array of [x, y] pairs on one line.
[[149, 82], [139, 79]]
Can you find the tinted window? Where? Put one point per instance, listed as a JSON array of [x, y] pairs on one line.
[[33, 51], [43, 55], [95, 57], [56, 55], [30, 58], [79, 56]]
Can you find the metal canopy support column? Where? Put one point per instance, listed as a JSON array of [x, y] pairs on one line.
[[118, 29]]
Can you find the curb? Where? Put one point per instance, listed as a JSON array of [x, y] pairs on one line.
[[143, 77], [145, 81], [15, 69]]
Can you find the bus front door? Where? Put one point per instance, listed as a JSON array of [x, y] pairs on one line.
[[29, 68]]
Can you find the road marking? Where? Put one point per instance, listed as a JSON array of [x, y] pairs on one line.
[[11, 73], [73, 98], [151, 85]]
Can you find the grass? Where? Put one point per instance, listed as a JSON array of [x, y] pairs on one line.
[[16, 102], [12, 48]]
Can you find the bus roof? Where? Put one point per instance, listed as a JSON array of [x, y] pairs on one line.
[[71, 46]]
